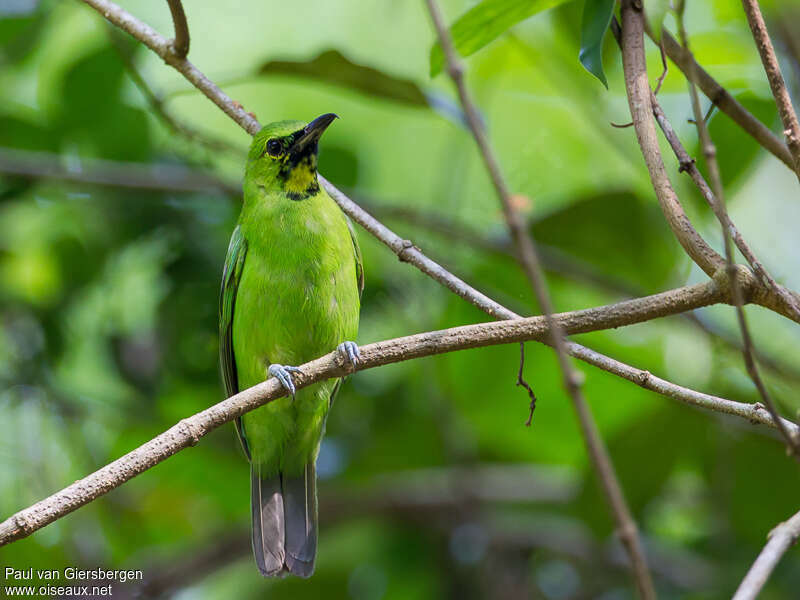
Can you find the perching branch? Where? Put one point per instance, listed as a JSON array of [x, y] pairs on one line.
[[720, 97], [180, 45], [776, 83], [780, 540], [528, 256], [190, 430], [710, 153]]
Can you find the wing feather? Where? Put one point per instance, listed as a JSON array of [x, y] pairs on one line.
[[231, 275]]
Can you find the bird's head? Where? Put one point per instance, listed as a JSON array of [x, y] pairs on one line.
[[283, 157]]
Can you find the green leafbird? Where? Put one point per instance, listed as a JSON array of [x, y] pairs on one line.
[[291, 291]]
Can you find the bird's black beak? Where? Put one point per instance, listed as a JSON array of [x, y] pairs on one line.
[[312, 132]]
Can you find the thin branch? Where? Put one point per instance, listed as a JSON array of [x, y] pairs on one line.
[[710, 153], [180, 45], [531, 264], [780, 540], [638, 90], [105, 172], [190, 430], [773, 70], [720, 97]]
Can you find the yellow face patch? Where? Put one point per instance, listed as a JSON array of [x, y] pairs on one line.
[[300, 178]]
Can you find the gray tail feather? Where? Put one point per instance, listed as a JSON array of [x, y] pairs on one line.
[[285, 522], [266, 500], [300, 512]]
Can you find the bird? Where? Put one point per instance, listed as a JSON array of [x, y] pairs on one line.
[[291, 292]]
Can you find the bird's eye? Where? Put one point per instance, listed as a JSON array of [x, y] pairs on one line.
[[274, 147]]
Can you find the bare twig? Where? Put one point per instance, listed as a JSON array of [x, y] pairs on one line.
[[720, 97], [781, 538], [791, 126], [190, 430], [180, 45], [710, 153], [524, 384], [529, 259]]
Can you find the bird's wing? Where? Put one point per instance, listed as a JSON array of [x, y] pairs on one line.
[[231, 275], [357, 256]]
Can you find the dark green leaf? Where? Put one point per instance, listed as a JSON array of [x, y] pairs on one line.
[[596, 18], [332, 67], [486, 22], [645, 257]]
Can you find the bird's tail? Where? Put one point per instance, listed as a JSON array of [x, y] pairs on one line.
[[284, 522]]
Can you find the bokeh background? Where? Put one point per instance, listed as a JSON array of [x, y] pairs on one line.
[[432, 487]]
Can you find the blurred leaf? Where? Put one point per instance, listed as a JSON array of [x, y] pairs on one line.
[[93, 114], [655, 11], [20, 133], [596, 18], [589, 231], [332, 67], [21, 26], [486, 22], [737, 151]]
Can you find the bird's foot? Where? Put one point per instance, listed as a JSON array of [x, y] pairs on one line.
[[349, 352], [283, 373]]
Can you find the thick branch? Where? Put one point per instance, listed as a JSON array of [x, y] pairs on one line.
[[638, 89], [189, 431], [776, 83], [720, 97], [780, 540]]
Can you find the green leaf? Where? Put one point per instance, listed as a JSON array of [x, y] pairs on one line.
[[486, 22], [655, 11], [596, 18], [332, 67]]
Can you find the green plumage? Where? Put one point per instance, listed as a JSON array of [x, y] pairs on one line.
[[290, 292]]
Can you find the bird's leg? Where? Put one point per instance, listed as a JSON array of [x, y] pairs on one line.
[[283, 373], [349, 352]]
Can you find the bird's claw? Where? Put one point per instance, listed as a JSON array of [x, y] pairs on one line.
[[283, 373], [349, 352]]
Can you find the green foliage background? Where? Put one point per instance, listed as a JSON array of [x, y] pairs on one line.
[[108, 301]]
